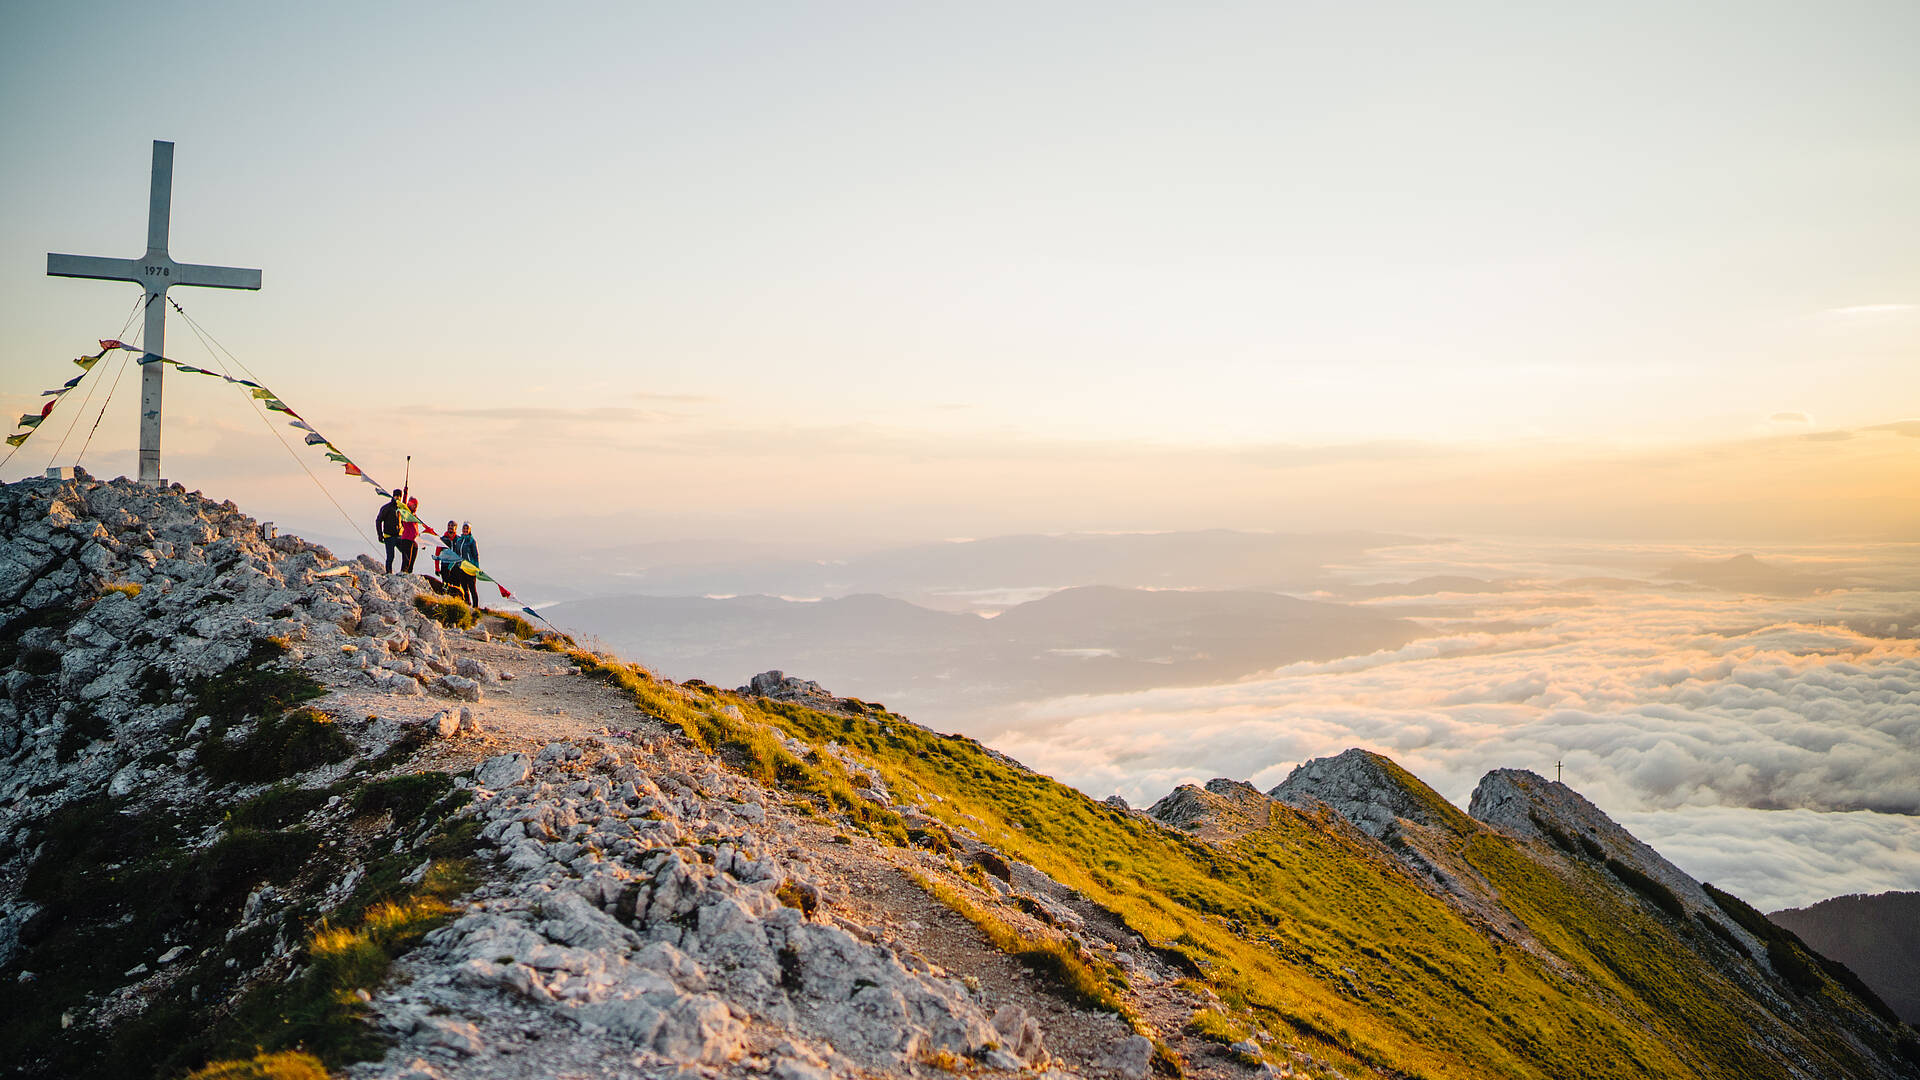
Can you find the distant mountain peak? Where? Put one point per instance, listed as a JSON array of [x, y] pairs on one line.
[[1371, 791]]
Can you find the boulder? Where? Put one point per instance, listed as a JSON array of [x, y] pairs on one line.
[[503, 771], [458, 686], [1131, 1057]]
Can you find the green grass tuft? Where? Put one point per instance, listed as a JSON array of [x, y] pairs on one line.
[[1654, 890], [281, 745], [407, 796], [449, 611], [278, 806], [259, 685], [285, 1065], [1055, 961]]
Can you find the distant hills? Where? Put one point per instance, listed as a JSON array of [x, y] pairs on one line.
[[1747, 574], [987, 574], [1089, 639], [1877, 936]]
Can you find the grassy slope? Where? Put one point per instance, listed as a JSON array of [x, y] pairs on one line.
[[1306, 927]]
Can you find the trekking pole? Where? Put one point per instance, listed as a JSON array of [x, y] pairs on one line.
[[407, 480]]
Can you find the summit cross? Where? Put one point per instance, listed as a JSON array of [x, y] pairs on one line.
[[155, 272]]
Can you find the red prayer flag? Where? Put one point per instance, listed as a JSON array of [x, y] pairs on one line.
[[503, 590], [353, 470], [48, 408], [109, 343]]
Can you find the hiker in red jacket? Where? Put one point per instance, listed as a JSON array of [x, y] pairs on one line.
[[446, 559]]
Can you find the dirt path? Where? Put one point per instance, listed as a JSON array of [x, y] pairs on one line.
[[541, 697]]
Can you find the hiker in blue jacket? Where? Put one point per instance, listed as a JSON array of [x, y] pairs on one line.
[[469, 549]]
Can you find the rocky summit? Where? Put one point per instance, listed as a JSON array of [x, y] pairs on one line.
[[269, 813]]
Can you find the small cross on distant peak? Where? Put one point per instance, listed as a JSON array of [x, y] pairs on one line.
[[1556, 772]]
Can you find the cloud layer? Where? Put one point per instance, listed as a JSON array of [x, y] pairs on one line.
[[1751, 720]]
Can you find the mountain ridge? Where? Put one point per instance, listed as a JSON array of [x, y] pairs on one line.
[[1876, 935], [274, 807]]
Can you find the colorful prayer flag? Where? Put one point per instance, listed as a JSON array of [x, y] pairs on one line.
[[16, 440], [149, 358], [353, 470], [86, 362], [316, 439], [469, 568], [110, 343], [504, 594]]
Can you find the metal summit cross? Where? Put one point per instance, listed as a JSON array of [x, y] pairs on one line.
[[155, 272]]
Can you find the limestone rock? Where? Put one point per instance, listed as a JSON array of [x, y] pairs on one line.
[[1130, 1058], [1368, 790], [503, 770], [1221, 811], [458, 686]]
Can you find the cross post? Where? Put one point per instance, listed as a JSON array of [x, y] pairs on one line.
[[155, 272]]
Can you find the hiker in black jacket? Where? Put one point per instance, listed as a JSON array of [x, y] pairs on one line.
[[388, 527]]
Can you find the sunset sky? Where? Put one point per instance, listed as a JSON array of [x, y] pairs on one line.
[[1644, 269], [1638, 282]]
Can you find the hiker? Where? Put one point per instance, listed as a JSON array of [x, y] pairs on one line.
[[387, 525], [446, 558], [469, 549], [410, 536]]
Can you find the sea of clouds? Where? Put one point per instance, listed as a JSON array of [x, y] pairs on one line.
[[1768, 744]]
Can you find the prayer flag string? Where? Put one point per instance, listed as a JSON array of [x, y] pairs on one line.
[[30, 423]]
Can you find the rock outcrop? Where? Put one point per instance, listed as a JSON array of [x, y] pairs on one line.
[[648, 905], [1218, 812], [1368, 790], [116, 599]]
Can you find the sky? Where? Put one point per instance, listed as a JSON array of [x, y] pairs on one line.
[[860, 273], [825, 277]]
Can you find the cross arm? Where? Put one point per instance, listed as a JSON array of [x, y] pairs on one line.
[[93, 266], [218, 277]]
